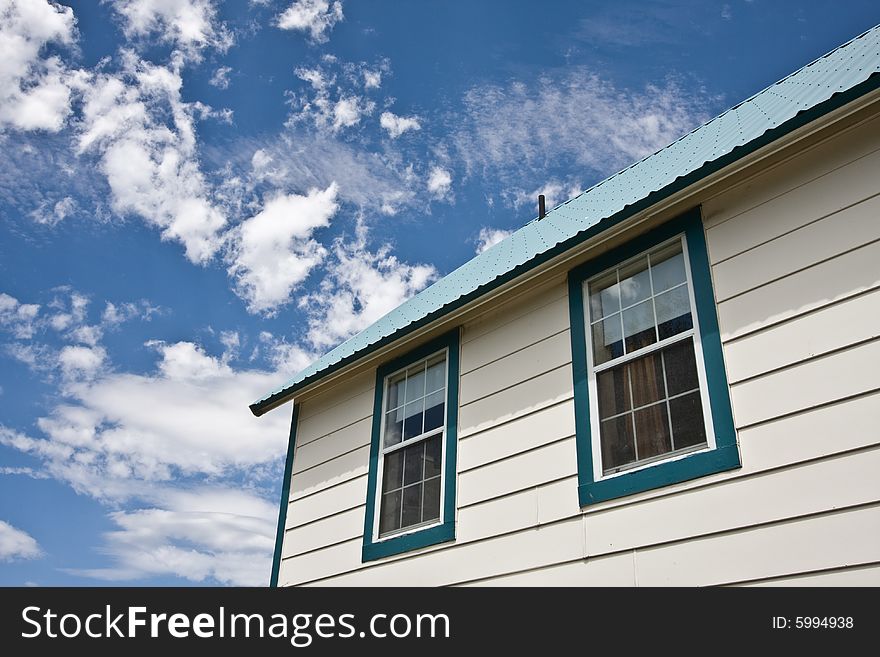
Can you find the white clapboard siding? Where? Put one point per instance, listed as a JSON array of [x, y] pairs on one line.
[[335, 418], [528, 432], [330, 473], [832, 280], [327, 531], [532, 468], [811, 434], [519, 400], [526, 363], [532, 548], [826, 541], [832, 327], [512, 316], [810, 383], [328, 501], [837, 233], [333, 445], [531, 507], [807, 166], [739, 503], [337, 395], [868, 575], [613, 570], [801, 204], [550, 318]]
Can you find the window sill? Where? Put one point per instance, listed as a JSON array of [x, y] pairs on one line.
[[408, 542], [659, 475]]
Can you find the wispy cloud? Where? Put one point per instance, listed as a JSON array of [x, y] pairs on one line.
[[187, 25], [489, 237], [361, 286], [397, 125], [514, 133], [315, 17], [16, 544]]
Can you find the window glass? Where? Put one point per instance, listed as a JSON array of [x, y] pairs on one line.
[[413, 446]]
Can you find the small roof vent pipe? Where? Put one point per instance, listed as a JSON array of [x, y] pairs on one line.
[[542, 209]]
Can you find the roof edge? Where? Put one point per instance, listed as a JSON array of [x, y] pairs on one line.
[[836, 101]]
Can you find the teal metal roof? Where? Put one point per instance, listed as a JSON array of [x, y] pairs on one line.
[[841, 76]]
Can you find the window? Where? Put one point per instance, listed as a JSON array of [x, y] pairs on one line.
[[410, 490], [651, 400]]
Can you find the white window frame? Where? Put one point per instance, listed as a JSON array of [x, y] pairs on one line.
[[383, 451], [593, 370]]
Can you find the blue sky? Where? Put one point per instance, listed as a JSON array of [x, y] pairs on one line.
[[198, 197]]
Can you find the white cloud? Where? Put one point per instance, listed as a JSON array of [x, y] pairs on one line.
[[513, 133], [331, 106], [150, 161], [489, 237], [179, 458], [80, 363], [16, 544], [554, 191], [121, 435], [372, 79], [397, 125], [35, 91], [361, 286], [189, 25], [317, 17], [218, 535], [439, 182], [272, 252], [726, 12], [58, 212], [220, 79], [18, 318]]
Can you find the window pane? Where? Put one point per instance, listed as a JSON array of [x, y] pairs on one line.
[[393, 427], [412, 505], [389, 517], [412, 425], [617, 442], [431, 500], [392, 472], [673, 312], [652, 431], [604, 296], [646, 375], [395, 391], [667, 267], [681, 368], [412, 463], [613, 391], [435, 405], [436, 377], [687, 421], [415, 383], [433, 456], [638, 326], [635, 284], [607, 339]]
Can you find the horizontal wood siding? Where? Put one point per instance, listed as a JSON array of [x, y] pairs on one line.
[[795, 257]]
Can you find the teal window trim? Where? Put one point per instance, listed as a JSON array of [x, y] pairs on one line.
[[725, 455], [285, 499], [445, 531]]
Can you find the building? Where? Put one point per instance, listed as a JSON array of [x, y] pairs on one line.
[[671, 379]]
